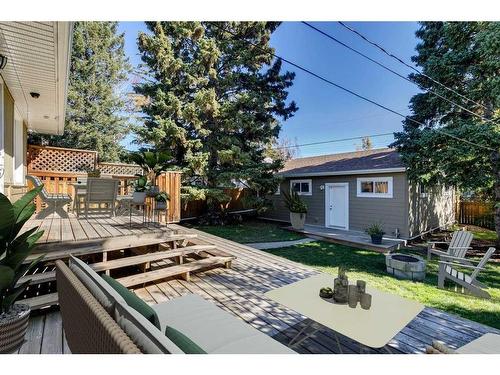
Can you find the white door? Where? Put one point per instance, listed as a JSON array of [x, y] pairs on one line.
[[337, 205]]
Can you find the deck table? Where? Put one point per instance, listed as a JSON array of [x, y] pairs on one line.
[[375, 327]]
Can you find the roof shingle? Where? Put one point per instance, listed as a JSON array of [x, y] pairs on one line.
[[344, 162]]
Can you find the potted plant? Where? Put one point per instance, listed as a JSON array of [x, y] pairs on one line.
[[94, 173], [161, 200], [376, 233], [14, 250], [297, 208], [140, 189], [153, 164]]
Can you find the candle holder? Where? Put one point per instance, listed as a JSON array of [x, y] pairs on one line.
[[365, 301], [361, 286], [341, 287], [353, 296]]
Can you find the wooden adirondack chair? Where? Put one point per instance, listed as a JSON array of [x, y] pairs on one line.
[[448, 270], [457, 247]]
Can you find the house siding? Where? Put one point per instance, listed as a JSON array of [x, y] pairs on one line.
[[12, 191], [434, 209], [392, 212]]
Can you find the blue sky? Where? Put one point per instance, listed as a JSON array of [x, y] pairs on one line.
[[326, 112]]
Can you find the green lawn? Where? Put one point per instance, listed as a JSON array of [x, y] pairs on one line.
[[370, 266], [480, 233], [251, 231]]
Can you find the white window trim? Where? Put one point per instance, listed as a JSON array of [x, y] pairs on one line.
[[309, 181], [389, 194]]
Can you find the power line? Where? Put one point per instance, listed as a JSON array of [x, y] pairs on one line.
[[393, 71], [406, 64], [326, 80], [333, 141]]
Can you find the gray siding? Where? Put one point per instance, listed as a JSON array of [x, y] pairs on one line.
[[392, 213], [434, 209]]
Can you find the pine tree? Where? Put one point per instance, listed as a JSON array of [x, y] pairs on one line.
[[465, 57], [214, 101], [95, 115]]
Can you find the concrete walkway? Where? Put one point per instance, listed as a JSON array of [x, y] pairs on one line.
[[276, 245]]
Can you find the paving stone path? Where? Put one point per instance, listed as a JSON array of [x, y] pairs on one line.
[[276, 245]]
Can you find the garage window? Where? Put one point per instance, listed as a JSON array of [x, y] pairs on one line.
[[302, 187], [375, 187]]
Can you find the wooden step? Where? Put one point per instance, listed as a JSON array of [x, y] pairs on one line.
[[179, 270], [149, 257], [38, 278], [111, 244], [41, 301]]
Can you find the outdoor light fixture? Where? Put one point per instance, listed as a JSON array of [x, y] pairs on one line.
[[3, 61], [34, 95]]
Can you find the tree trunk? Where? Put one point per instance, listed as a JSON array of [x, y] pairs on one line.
[[496, 171]]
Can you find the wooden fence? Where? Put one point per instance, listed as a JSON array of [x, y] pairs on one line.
[[59, 168], [197, 208], [476, 213]]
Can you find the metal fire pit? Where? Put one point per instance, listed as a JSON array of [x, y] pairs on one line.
[[403, 266]]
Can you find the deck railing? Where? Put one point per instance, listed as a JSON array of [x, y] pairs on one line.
[[59, 168]]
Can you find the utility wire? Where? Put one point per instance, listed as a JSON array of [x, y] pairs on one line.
[[393, 71], [334, 141], [326, 80], [406, 64]]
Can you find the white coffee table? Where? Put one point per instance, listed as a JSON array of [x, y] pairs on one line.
[[375, 327]]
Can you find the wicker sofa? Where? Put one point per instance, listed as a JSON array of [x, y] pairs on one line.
[[97, 320]]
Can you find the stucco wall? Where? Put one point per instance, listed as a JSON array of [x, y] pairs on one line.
[[392, 213], [430, 210]]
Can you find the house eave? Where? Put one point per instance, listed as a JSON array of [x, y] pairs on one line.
[[344, 173]]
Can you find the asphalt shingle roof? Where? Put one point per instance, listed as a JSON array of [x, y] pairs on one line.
[[349, 161]]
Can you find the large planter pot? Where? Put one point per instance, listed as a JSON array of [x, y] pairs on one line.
[[13, 326], [138, 197], [161, 205], [153, 191], [297, 220], [376, 239]]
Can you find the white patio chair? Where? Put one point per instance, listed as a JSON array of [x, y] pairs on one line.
[[457, 247], [448, 270], [101, 191], [55, 202]]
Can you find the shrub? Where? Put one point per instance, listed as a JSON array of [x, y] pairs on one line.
[[294, 203]]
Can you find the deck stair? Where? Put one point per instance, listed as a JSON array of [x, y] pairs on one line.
[[150, 257], [183, 270], [173, 255], [90, 247]]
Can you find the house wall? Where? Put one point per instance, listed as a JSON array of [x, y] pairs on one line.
[[392, 212], [12, 191], [433, 209]]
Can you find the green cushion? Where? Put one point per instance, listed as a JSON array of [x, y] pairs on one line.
[[183, 342], [133, 301]]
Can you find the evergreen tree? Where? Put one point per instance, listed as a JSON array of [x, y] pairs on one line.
[[95, 118], [214, 101], [465, 57]]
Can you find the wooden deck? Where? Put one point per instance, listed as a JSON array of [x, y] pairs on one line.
[[73, 228], [240, 292]]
